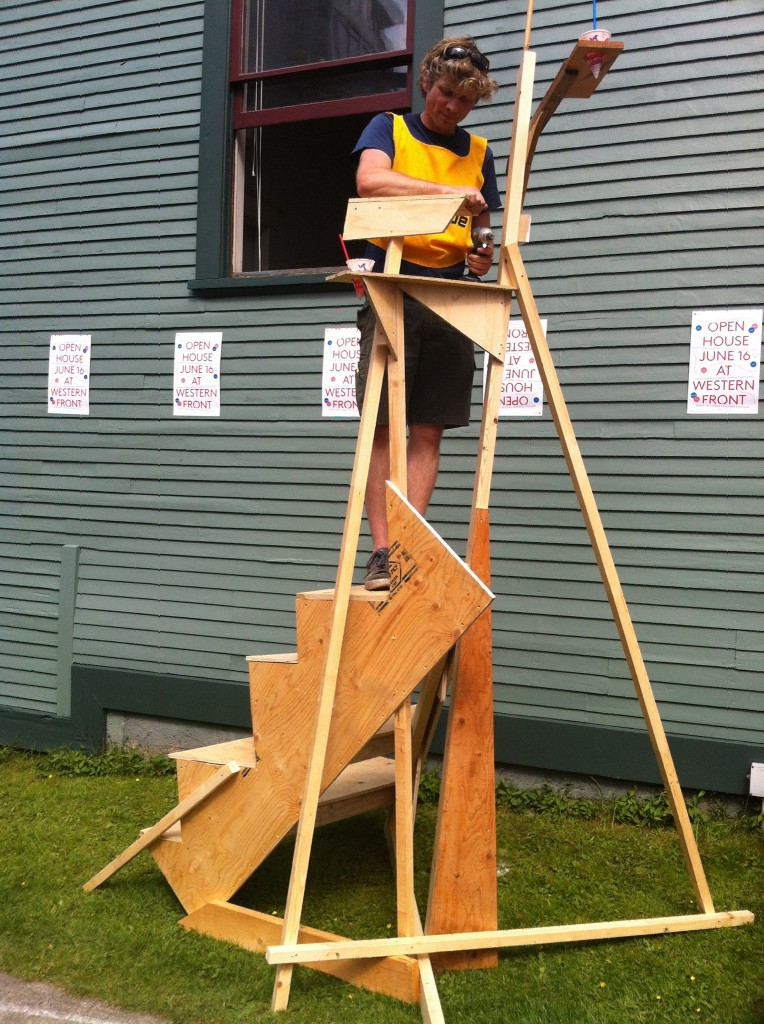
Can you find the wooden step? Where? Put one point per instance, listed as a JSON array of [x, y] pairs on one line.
[[357, 593], [241, 751], [363, 786], [287, 658]]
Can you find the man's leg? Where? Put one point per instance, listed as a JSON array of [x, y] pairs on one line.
[[375, 500], [422, 460]]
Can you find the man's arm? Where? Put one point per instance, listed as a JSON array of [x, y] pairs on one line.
[[375, 177]]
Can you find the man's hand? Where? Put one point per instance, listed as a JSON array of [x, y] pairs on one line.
[[474, 203], [479, 262]]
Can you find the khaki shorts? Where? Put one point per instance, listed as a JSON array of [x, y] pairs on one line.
[[440, 366]]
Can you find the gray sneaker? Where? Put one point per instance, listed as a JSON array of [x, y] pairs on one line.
[[377, 571]]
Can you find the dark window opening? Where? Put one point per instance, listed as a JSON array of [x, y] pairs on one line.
[[298, 178]]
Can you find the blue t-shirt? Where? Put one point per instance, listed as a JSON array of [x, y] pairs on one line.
[[378, 134]]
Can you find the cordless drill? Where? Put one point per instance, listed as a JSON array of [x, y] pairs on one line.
[[481, 239]]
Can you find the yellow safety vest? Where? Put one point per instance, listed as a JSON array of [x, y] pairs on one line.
[[434, 163]]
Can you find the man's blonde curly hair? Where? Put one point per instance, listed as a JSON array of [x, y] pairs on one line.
[[463, 72]]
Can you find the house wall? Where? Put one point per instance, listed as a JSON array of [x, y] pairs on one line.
[[144, 556]]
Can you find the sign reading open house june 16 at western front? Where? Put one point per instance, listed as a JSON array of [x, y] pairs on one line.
[[725, 357], [69, 374], [196, 383]]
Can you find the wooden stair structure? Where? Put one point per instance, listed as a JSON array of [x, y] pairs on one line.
[[327, 717]]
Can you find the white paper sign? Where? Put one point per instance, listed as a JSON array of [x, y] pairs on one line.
[[341, 351], [196, 382], [69, 374], [725, 353], [522, 393]]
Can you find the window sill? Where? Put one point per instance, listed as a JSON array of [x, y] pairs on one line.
[[270, 281]]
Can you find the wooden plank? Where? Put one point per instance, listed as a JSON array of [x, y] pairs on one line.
[[431, 698], [386, 301], [395, 976], [518, 149], [609, 574], [363, 786], [506, 938], [323, 721], [463, 889], [397, 216], [287, 658], [396, 395], [393, 256], [487, 446], [151, 835], [404, 822], [242, 751], [480, 311], [429, 1000], [574, 79], [578, 70]]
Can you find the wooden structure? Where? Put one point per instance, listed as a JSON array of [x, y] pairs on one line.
[[325, 716]]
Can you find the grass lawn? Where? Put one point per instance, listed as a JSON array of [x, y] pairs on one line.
[[560, 861]]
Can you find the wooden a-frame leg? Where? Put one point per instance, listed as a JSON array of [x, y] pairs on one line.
[[409, 923], [396, 393], [601, 548], [404, 821], [463, 888], [348, 550]]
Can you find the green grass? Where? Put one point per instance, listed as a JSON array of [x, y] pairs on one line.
[[560, 860]]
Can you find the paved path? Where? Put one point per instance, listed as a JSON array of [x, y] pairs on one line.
[[35, 1003]]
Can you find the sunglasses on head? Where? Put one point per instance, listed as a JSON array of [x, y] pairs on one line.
[[477, 59]]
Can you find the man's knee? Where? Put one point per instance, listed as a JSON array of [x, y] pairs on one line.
[[425, 435]]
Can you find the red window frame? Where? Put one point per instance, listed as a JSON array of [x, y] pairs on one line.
[[328, 108]]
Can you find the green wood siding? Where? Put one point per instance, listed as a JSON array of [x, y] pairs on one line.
[[195, 534]]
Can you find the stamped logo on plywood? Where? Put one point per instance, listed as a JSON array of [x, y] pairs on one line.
[[403, 566]]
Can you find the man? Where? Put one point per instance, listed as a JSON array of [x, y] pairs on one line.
[[427, 154]]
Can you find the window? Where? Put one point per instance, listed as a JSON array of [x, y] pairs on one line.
[[287, 86], [306, 76]]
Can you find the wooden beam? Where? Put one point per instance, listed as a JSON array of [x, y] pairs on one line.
[[463, 889], [478, 310], [504, 939], [575, 80], [346, 565], [151, 835], [518, 148], [404, 822], [396, 398], [397, 216], [396, 976]]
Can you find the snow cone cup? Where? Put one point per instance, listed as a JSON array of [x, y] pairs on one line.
[[360, 266], [595, 60]]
